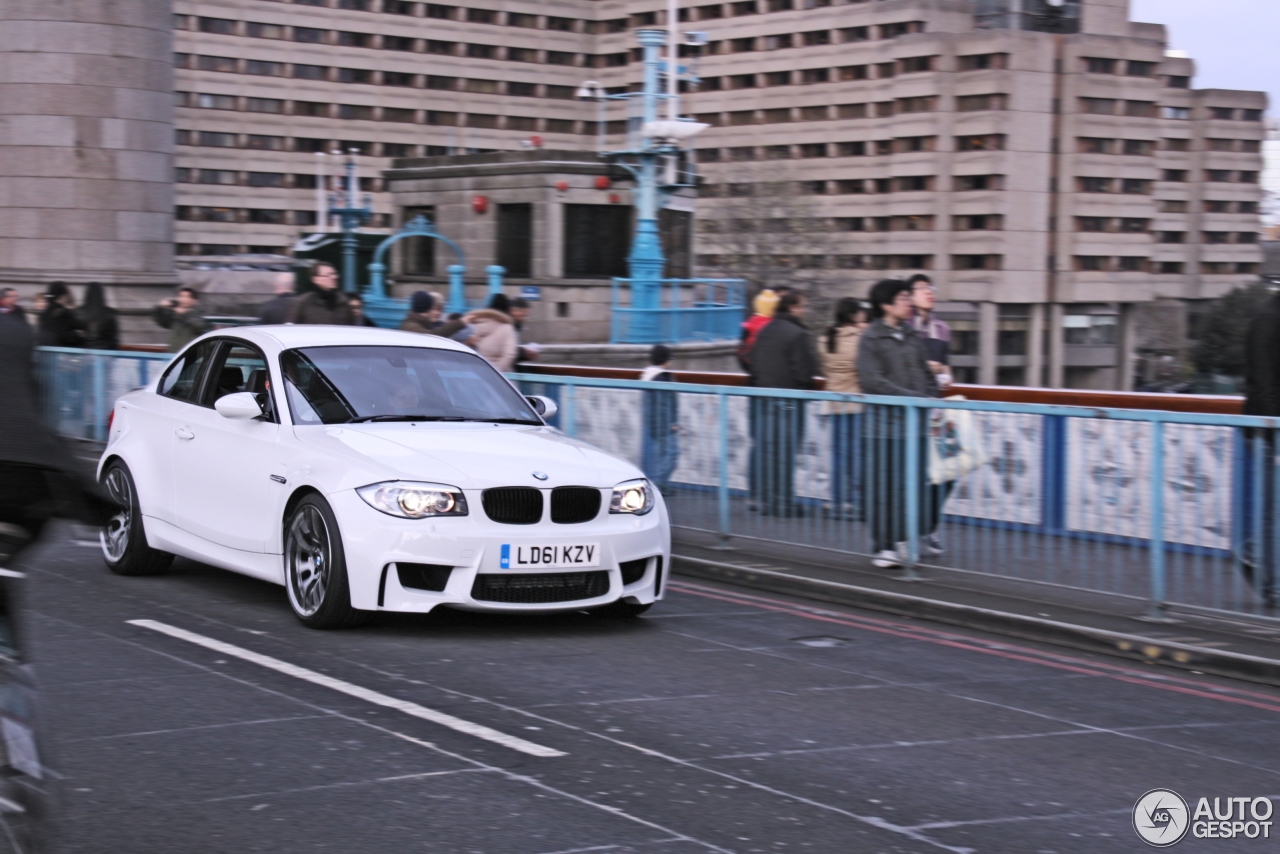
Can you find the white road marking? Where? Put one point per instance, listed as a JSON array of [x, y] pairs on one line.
[[369, 696]]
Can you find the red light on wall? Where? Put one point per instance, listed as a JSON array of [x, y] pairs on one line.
[[614, 198], [603, 183], [563, 186], [535, 141], [480, 204]]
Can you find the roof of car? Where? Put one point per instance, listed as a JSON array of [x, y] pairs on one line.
[[287, 337]]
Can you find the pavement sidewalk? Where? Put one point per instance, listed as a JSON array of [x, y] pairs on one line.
[[1239, 646]]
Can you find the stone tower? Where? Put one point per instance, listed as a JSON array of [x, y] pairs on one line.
[[86, 145]]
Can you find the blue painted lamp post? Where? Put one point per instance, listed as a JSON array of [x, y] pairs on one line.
[[343, 206]]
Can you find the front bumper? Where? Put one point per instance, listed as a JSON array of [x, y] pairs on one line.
[[374, 543]]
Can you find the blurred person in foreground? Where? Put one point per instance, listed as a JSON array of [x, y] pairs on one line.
[[764, 305], [783, 357], [1262, 397], [59, 325], [9, 304], [275, 311], [101, 328], [662, 421], [840, 368], [39, 481], [525, 351], [495, 333], [892, 360], [325, 306], [182, 317], [424, 317]]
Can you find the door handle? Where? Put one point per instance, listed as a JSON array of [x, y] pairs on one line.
[[185, 434]]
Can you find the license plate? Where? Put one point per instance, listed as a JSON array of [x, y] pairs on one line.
[[549, 557]]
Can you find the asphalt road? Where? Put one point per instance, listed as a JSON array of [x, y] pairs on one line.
[[721, 722]]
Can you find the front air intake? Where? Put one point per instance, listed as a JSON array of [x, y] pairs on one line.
[[541, 588]]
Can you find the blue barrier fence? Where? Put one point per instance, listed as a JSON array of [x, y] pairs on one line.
[[1172, 508]]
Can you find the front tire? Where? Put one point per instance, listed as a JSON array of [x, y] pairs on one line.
[[123, 539], [315, 567]]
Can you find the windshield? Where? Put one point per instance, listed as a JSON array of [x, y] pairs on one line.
[[344, 385]]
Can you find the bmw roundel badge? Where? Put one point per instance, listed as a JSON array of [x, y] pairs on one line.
[[540, 475]]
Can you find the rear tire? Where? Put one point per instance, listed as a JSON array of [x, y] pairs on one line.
[[315, 568], [123, 538], [621, 610]]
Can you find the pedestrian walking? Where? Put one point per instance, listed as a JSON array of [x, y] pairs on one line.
[[59, 325], [892, 360], [662, 421], [1262, 397], [840, 368], [325, 306], [356, 302], [495, 333], [182, 317], [101, 326], [9, 304], [424, 318], [275, 311], [782, 357], [764, 305], [527, 351], [935, 332]]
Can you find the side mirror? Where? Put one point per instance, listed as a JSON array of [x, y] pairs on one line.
[[544, 406], [242, 405]]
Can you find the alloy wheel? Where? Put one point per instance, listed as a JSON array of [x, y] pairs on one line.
[[114, 535], [308, 559]]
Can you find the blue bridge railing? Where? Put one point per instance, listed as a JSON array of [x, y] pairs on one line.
[[1171, 508], [687, 310]]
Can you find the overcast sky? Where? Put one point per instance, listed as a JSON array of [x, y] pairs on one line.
[[1232, 41]]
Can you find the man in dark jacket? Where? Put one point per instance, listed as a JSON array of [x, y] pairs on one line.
[[325, 306], [892, 360], [9, 304], [783, 356], [1262, 397], [276, 310], [59, 325], [182, 317]]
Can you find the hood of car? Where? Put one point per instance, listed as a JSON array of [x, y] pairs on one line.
[[475, 456]]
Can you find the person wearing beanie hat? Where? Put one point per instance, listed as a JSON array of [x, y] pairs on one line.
[[662, 421], [421, 303], [423, 318]]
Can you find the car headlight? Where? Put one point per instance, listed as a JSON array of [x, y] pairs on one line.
[[414, 500], [633, 496]]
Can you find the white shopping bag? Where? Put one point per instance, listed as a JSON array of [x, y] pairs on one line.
[[955, 448]]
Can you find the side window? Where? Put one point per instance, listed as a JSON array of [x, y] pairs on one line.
[[181, 381], [240, 368]]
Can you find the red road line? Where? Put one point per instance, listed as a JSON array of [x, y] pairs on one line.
[[1025, 654]]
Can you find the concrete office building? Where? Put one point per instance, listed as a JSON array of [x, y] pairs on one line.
[[1050, 166]]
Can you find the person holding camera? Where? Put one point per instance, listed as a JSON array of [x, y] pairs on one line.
[[182, 317]]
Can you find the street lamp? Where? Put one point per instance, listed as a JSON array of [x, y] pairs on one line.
[[350, 218]]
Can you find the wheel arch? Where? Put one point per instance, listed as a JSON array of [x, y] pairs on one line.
[[296, 496]]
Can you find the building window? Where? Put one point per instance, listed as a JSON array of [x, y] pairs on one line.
[[1219, 176], [263, 142], [1139, 147], [1215, 268], [216, 63], [922, 104], [1136, 68], [908, 144], [982, 61], [481, 120], [482, 87], [481, 51], [264, 68], [441, 48], [1092, 223], [742, 117], [979, 182], [563, 126], [217, 26], [1180, 113], [355, 39], [310, 72], [981, 142], [814, 188], [1135, 225], [855, 72], [1172, 206], [522, 123], [1217, 237], [855, 34], [560, 57], [1171, 268], [1174, 175], [399, 7], [913, 183], [1178, 81], [597, 239], [742, 45], [1251, 115], [851, 149], [976, 103], [445, 83], [916, 64], [851, 111], [442, 119], [742, 81], [399, 114], [1098, 65], [1135, 186], [215, 102], [1095, 145], [779, 41], [815, 114], [355, 75], [559, 25], [902, 28], [1140, 109], [266, 217], [308, 35], [777, 115], [978, 222], [1098, 106], [815, 75], [264, 105], [358, 112], [777, 78], [224, 177], [1177, 144], [1222, 113], [1248, 177], [816, 37], [310, 145], [264, 31], [1091, 263], [1173, 237], [1093, 185], [744, 7], [1131, 264], [977, 262]]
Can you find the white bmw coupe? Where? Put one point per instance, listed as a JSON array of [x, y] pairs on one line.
[[368, 470]]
